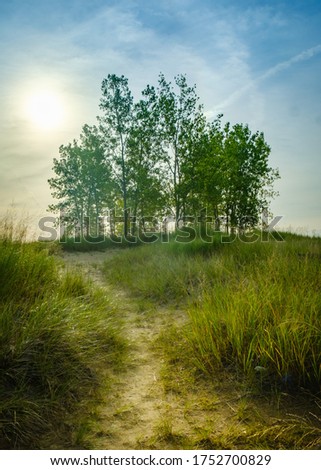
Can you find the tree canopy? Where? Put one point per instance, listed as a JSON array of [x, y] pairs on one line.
[[159, 157]]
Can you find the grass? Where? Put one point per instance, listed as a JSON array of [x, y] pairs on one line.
[[60, 344], [161, 272], [100, 243], [242, 373], [221, 410], [255, 308], [265, 321]]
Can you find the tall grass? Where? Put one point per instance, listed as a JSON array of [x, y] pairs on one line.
[[266, 320], [59, 342], [255, 308]]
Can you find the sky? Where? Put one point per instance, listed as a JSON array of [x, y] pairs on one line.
[[257, 62]]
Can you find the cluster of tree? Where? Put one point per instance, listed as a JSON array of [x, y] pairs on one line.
[[160, 157]]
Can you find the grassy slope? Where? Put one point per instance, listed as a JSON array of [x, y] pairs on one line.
[[56, 333], [254, 314], [250, 305]]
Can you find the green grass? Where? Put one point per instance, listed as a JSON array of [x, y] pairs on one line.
[[255, 308], [220, 410], [98, 243], [60, 343], [265, 321], [254, 323]]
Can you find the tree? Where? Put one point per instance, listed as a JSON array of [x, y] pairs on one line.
[[96, 176], [116, 124], [205, 171], [67, 185], [82, 182], [248, 177], [159, 156], [147, 194], [229, 174], [178, 117]]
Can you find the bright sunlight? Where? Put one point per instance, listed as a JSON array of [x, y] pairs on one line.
[[44, 109]]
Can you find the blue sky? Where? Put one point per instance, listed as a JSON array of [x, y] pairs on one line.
[[256, 62]]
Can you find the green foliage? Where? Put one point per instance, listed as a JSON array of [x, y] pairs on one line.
[[117, 105], [248, 178], [83, 183], [55, 335], [147, 193], [179, 120], [229, 174], [254, 307], [160, 157]]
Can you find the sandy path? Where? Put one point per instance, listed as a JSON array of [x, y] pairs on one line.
[[137, 403]]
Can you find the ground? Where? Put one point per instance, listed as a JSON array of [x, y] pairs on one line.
[[161, 401]]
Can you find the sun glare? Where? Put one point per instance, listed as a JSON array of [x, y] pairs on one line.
[[44, 109]]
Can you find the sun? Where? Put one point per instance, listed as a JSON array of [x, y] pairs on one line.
[[44, 109]]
